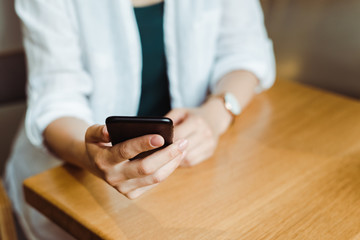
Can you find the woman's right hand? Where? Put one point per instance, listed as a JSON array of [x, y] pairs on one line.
[[131, 178]]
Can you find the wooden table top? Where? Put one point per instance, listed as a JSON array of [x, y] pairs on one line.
[[289, 168]]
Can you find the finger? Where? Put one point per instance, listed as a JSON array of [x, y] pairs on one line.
[[159, 176], [198, 155], [195, 160], [185, 129], [201, 145], [130, 148], [177, 115], [140, 191], [97, 133], [193, 126], [155, 161], [195, 141]]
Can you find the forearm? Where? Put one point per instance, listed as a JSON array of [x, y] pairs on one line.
[[65, 138], [242, 85]]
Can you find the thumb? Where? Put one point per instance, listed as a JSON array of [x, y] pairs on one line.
[[177, 115], [97, 133]]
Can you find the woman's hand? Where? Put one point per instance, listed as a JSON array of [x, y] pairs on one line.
[[131, 178], [202, 127]]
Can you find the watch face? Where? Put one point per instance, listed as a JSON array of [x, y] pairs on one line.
[[232, 104]]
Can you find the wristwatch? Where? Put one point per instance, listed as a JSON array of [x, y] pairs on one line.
[[231, 104]]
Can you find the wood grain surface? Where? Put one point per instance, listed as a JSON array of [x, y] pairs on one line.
[[7, 224], [289, 168]]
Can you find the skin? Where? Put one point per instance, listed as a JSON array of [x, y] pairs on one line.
[[143, 3], [196, 133]]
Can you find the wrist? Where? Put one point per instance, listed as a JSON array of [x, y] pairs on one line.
[[85, 159], [221, 118], [79, 154]]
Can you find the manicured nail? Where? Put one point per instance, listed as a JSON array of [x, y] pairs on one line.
[[183, 154], [182, 144], [156, 141], [106, 136], [104, 130]]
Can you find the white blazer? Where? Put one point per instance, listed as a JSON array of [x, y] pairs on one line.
[[84, 60]]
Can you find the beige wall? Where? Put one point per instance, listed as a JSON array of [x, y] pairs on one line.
[[10, 36], [317, 42]]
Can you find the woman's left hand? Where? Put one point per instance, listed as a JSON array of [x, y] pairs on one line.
[[202, 127]]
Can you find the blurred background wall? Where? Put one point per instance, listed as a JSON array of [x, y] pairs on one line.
[[316, 42], [10, 36], [12, 78]]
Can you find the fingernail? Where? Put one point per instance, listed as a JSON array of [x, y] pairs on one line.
[[156, 141], [104, 130], [106, 136], [182, 144]]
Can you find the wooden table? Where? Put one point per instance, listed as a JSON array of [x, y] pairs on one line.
[[288, 169]]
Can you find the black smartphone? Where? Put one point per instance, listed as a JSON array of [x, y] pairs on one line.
[[122, 128]]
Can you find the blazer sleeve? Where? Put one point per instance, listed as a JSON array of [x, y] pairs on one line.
[[57, 86], [243, 43]]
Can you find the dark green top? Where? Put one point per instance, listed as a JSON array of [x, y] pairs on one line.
[[155, 99]]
